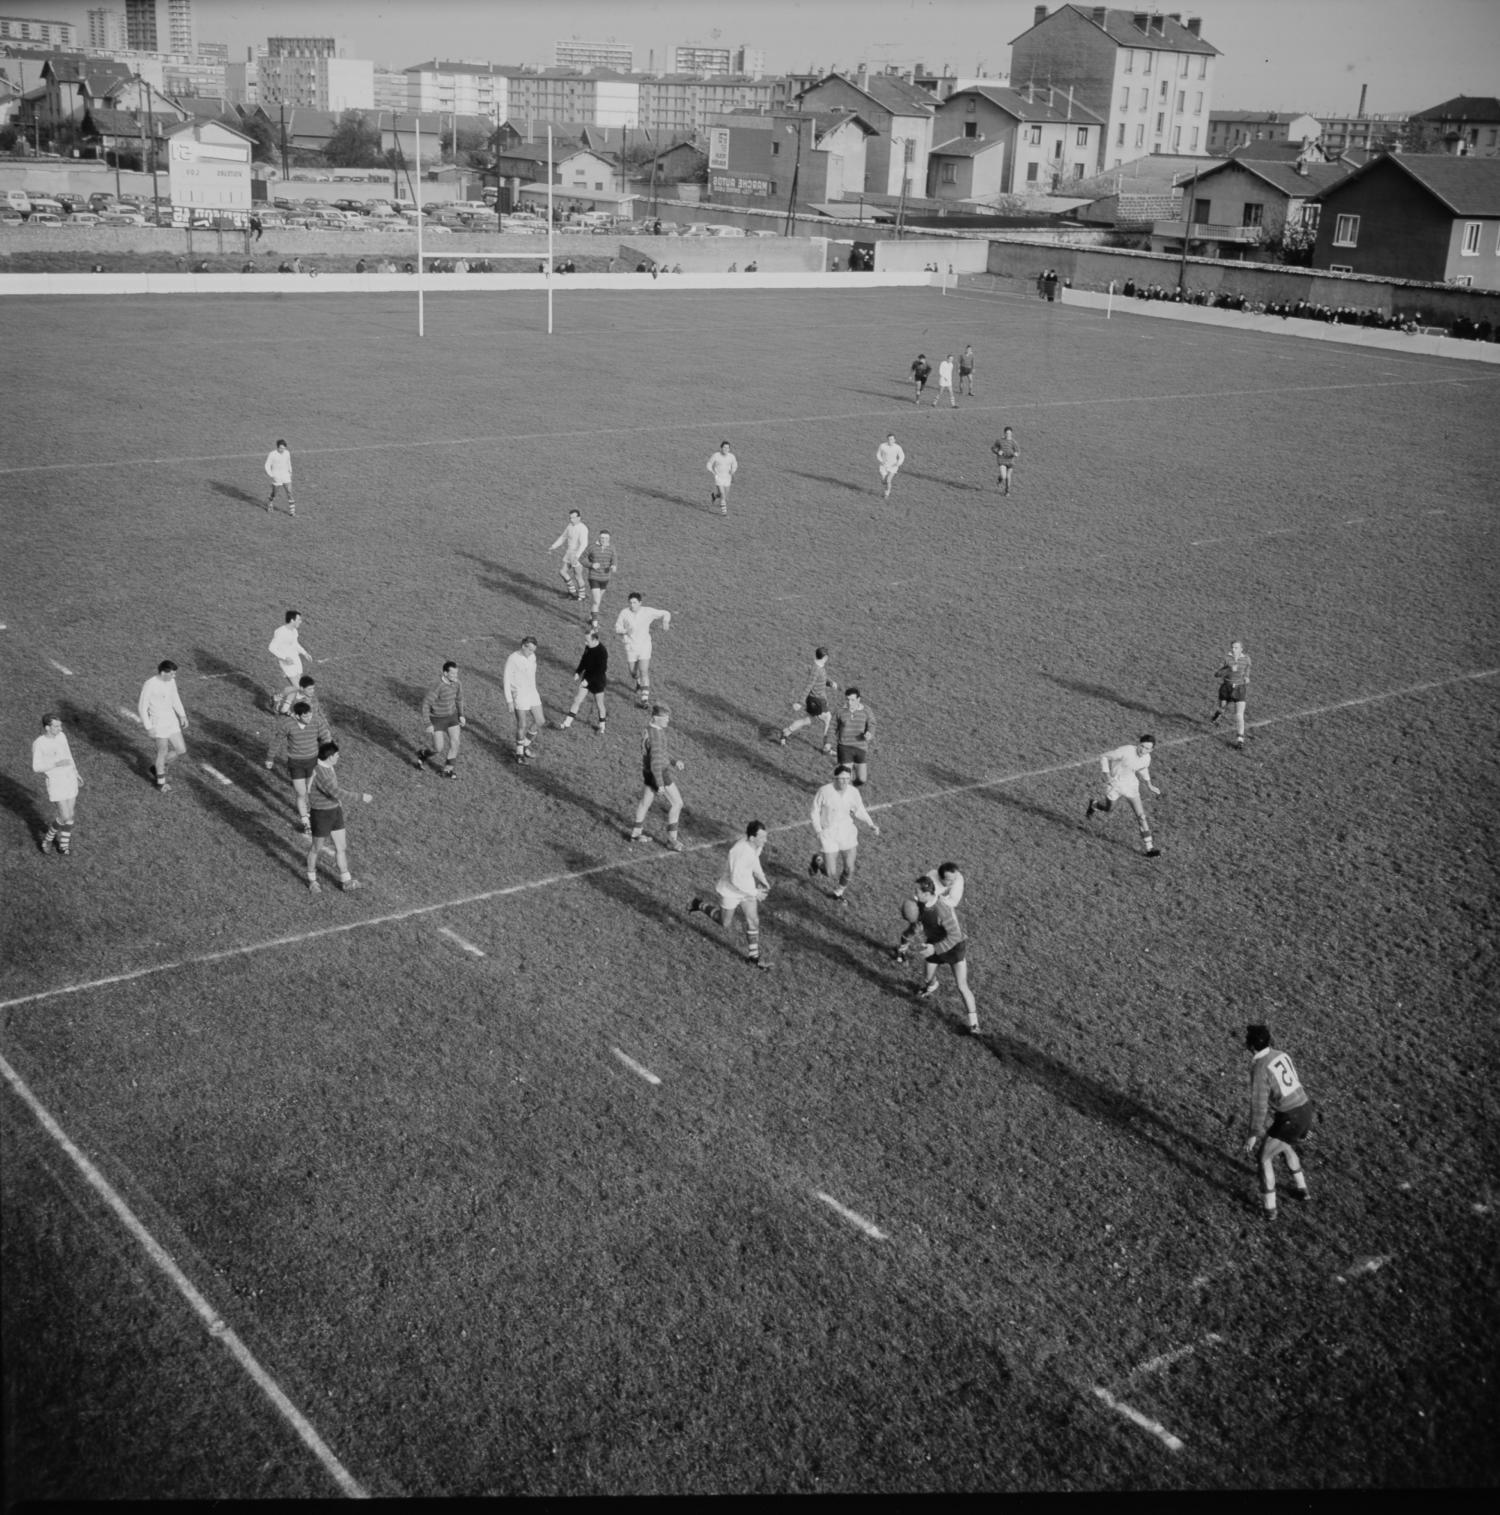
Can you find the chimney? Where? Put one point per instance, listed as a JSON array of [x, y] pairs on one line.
[[1039, 15], [1195, 24], [862, 77], [1141, 21], [1049, 96], [1098, 14], [1363, 91]]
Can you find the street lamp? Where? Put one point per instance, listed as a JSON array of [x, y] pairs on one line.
[[791, 201]]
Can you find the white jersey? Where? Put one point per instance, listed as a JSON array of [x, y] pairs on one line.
[[279, 466], [520, 682], [635, 627], [287, 648], [834, 812], [160, 707], [743, 876], [945, 374], [574, 539], [1124, 767], [51, 755], [723, 466], [953, 891], [890, 456]]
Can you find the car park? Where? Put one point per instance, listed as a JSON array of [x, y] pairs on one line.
[[11, 217]]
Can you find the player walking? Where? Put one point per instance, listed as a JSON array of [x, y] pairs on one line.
[[723, 465], [298, 738], [521, 697], [966, 372], [835, 809], [601, 561], [591, 676], [279, 471], [1234, 685], [161, 713], [574, 541], [742, 886], [286, 646], [853, 735], [53, 759], [890, 456], [1123, 769], [657, 767], [443, 720], [921, 371], [1275, 1092], [327, 804], [945, 382], [943, 945], [306, 688], [1006, 451], [633, 627], [816, 702]]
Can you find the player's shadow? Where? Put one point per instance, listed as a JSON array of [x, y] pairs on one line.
[[664, 498], [731, 747], [21, 801], [1100, 1101], [521, 586], [934, 478], [625, 887], [235, 493], [544, 781], [210, 664], [235, 753], [832, 482], [1114, 697], [131, 746], [351, 718], [1003, 794], [253, 827]]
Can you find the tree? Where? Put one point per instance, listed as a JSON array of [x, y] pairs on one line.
[[471, 148], [355, 142], [267, 148]]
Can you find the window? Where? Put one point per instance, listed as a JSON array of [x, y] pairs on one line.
[[1194, 147], [1078, 170], [1125, 98], [1146, 67], [1203, 66], [1176, 138], [1309, 215], [1198, 103], [1129, 60], [1471, 237], [1165, 89], [1181, 101], [1031, 173], [1161, 122], [1083, 136], [950, 173], [1341, 268], [775, 149], [1140, 135], [1253, 212], [1202, 212], [1346, 231], [1057, 148], [1143, 99], [1183, 61], [1120, 140], [971, 128], [969, 108], [1036, 135]]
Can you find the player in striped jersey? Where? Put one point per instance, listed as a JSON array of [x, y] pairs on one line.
[[657, 767], [853, 736], [298, 736], [443, 719], [943, 944], [816, 702], [1234, 686], [326, 801]]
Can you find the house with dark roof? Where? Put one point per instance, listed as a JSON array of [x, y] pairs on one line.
[[1240, 203], [1048, 142], [1148, 77], [754, 157], [73, 84], [1466, 126], [1432, 217], [681, 163], [899, 116]]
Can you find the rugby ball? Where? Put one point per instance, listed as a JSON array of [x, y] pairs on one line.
[[911, 911]]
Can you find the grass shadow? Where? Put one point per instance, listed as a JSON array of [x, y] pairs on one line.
[[827, 478], [235, 493], [1114, 697], [229, 748], [375, 728], [134, 749], [210, 665], [664, 498], [958, 484], [253, 828], [1001, 794], [22, 802]]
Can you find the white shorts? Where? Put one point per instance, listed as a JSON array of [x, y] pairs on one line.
[[890, 473], [62, 784], [1122, 789], [292, 668], [731, 898]]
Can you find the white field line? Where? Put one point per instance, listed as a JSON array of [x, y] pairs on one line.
[[867, 1226], [215, 1324], [529, 886], [1143, 1421], [414, 444], [1363, 1266], [635, 1067], [1156, 1364], [210, 769], [454, 937], [67, 672]]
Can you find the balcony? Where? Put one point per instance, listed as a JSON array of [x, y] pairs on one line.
[[1209, 231]]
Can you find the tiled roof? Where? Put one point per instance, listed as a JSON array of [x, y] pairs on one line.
[[1120, 28], [1283, 176], [1467, 186], [434, 66], [1462, 108], [826, 121], [898, 96], [964, 147], [1015, 102]]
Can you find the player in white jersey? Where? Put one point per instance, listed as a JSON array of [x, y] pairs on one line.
[[945, 382], [521, 697], [835, 809], [286, 646], [161, 713], [52, 758], [742, 886], [1124, 769], [574, 541], [890, 456], [633, 627], [279, 472], [723, 465]]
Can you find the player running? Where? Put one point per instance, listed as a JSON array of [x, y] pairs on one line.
[[286, 646], [723, 465], [633, 627], [592, 678], [657, 767], [890, 456], [1006, 451], [921, 371], [1234, 685], [943, 945], [742, 886], [601, 562], [948, 882], [816, 702], [1124, 768]]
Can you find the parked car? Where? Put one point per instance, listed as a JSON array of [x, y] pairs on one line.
[[762, 234], [282, 203], [726, 231], [697, 229], [11, 218], [437, 228], [80, 218], [48, 205], [16, 200], [43, 218], [468, 205], [357, 206], [122, 218]]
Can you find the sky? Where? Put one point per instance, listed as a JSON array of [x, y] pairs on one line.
[[1307, 55]]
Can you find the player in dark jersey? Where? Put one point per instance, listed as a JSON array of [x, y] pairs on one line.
[[1006, 451], [592, 677], [1234, 687], [853, 735], [921, 371], [1281, 1114], [657, 767]]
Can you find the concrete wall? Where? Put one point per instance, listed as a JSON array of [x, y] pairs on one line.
[[289, 241], [964, 256], [713, 255]]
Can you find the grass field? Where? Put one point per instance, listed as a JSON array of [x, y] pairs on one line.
[[507, 1173]]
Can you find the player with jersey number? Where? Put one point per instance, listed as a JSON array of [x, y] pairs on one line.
[[1234, 687], [1281, 1115], [1124, 770], [743, 885]]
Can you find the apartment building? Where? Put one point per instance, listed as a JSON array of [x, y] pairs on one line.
[[31, 32], [1229, 129], [471, 88], [993, 140], [308, 72], [1148, 77], [618, 56]]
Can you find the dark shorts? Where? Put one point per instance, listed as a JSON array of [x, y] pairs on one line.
[[596, 686], [444, 722], [963, 372], [326, 822], [301, 768], [1232, 694], [598, 583], [815, 705], [853, 754], [656, 782], [1291, 1126], [952, 955]]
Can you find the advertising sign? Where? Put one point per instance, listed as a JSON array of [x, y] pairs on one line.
[[718, 147]]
